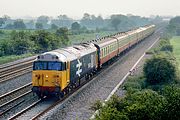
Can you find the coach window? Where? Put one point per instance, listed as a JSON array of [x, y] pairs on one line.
[[106, 51], [102, 52]]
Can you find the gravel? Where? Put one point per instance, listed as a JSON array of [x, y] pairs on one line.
[[78, 106]]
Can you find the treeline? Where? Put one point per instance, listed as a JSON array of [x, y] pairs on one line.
[[114, 22], [154, 95], [174, 26], [21, 42]]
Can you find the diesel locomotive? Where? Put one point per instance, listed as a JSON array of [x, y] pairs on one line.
[[59, 71]]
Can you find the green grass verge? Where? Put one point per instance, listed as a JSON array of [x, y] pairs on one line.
[[6, 59], [175, 42]]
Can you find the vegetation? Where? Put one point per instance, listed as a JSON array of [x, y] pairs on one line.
[[116, 22], [159, 70], [10, 58], [39, 26], [174, 26], [175, 42], [23, 42]]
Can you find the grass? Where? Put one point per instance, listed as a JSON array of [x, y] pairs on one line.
[[10, 58], [175, 41]]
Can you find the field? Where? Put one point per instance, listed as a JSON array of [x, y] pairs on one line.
[[175, 41]]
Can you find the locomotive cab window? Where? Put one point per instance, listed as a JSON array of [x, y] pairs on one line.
[[50, 65]]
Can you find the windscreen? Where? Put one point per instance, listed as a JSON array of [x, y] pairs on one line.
[[50, 65]]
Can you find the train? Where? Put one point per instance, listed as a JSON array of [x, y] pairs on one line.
[[57, 72]]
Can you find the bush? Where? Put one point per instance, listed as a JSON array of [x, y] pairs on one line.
[[97, 105], [134, 84], [142, 105], [172, 109], [109, 113], [158, 70], [165, 45], [145, 105]]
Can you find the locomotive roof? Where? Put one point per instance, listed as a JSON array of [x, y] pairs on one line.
[[69, 53]]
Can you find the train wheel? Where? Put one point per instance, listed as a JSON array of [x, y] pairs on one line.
[[60, 95], [86, 77]]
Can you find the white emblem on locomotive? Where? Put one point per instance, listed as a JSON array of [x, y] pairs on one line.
[[79, 68]]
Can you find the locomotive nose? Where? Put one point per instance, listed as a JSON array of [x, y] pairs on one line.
[[46, 78]]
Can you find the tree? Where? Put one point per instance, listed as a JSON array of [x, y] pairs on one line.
[[21, 42], [172, 95], [39, 25], [174, 26], [115, 22], [43, 20], [54, 26], [63, 34], [141, 105], [2, 21], [19, 24], [45, 41], [159, 70], [86, 20], [109, 113], [64, 21], [75, 27], [144, 105], [9, 26], [6, 47], [30, 24]]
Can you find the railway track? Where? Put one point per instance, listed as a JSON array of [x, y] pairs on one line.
[[25, 110], [15, 69], [8, 100], [16, 91], [6, 107]]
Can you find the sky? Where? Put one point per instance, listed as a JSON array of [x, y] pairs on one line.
[[76, 8]]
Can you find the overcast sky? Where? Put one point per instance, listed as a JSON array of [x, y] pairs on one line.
[[76, 8]]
